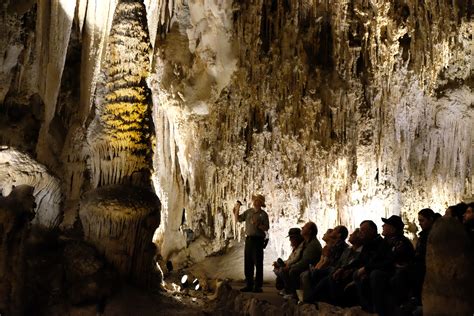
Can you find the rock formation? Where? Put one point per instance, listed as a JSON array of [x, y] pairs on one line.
[[337, 111], [120, 222], [448, 283], [16, 212], [120, 134]]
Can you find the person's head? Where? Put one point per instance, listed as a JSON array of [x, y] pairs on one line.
[[426, 218], [294, 234], [456, 211], [258, 201], [309, 231], [469, 214], [339, 233], [355, 239], [392, 226], [327, 235], [368, 231]]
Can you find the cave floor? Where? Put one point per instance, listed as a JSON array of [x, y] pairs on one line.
[[269, 294], [133, 301]]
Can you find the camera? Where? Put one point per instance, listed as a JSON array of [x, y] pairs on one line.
[[280, 262]]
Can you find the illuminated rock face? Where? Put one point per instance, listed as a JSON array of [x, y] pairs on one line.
[[120, 134], [120, 221], [16, 169], [337, 111]]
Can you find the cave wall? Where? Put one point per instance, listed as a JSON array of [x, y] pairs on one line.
[[337, 111]]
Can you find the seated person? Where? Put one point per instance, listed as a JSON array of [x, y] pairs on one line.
[[327, 238], [335, 246], [297, 244], [382, 278], [426, 219], [468, 221], [456, 211], [311, 255], [331, 287]]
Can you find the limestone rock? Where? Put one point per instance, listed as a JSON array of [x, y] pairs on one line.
[[16, 212], [87, 277], [449, 281], [120, 222]]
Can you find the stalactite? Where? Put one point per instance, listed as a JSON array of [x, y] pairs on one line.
[[349, 88]]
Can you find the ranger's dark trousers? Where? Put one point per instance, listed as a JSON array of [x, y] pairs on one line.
[[254, 258]]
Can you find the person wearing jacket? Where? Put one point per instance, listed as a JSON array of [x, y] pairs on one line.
[[311, 255], [297, 244], [386, 265]]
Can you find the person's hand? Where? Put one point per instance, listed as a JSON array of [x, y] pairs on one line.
[[237, 207], [286, 268]]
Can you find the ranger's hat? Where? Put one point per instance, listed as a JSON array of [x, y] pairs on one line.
[[260, 198]]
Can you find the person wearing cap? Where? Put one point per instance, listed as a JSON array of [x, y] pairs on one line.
[[296, 241], [311, 255], [386, 269], [256, 226]]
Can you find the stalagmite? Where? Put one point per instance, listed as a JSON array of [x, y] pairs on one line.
[[120, 221], [120, 135]]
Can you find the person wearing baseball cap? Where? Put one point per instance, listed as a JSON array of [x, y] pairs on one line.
[[395, 221], [297, 245], [388, 275]]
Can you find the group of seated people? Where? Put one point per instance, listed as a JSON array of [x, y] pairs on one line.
[[381, 274]]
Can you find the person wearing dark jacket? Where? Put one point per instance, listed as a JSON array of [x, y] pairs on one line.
[[426, 219], [387, 267], [311, 254], [373, 255], [336, 246], [468, 221], [333, 287]]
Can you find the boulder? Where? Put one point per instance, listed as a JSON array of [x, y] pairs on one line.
[[449, 283], [16, 213]]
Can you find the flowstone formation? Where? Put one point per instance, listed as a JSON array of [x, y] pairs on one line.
[[120, 222]]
